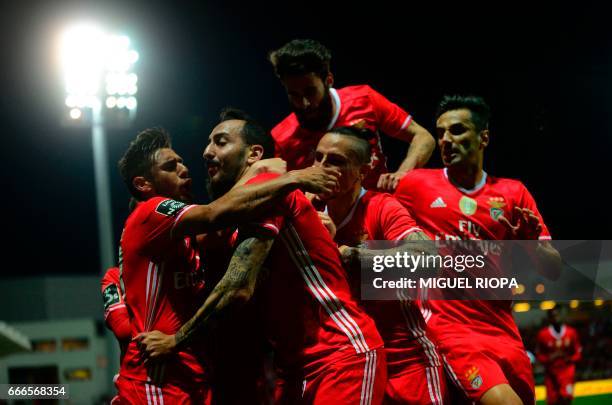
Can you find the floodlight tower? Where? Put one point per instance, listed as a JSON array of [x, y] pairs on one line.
[[98, 74]]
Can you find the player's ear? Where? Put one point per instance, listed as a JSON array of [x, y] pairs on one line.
[[329, 80], [254, 154], [141, 184], [484, 138], [364, 170]]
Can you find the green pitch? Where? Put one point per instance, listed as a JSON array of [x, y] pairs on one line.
[[591, 400]]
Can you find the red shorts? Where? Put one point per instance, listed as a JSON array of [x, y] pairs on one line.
[[417, 385], [559, 384], [352, 380], [133, 392], [475, 364]]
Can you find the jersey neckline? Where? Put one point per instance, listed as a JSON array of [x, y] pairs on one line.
[[554, 333], [473, 190], [352, 211]]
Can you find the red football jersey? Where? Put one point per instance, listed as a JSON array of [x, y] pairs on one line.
[[558, 350], [359, 106], [116, 314], [375, 216], [379, 216], [309, 314], [445, 211], [162, 280]]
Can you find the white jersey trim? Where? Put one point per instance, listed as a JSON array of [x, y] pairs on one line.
[[408, 232], [407, 122], [352, 211], [554, 333], [476, 188], [369, 377], [113, 308], [337, 105], [183, 211], [321, 291]]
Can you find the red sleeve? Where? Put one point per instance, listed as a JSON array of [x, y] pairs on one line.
[[393, 219], [403, 192], [540, 355], [392, 120], [115, 312], [118, 322], [156, 228], [269, 224], [526, 200], [577, 355]]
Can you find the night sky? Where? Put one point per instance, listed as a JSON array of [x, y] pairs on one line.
[[546, 71]]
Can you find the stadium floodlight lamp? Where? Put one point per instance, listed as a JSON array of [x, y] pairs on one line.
[[98, 68], [101, 86]]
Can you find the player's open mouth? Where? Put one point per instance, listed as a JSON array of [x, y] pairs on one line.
[[212, 171], [212, 167]]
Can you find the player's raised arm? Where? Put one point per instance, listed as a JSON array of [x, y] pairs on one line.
[[235, 288], [422, 145], [242, 202]]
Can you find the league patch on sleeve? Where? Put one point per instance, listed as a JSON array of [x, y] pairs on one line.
[[169, 208], [110, 296]]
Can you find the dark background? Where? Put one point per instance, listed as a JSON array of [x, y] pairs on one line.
[[545, 69]]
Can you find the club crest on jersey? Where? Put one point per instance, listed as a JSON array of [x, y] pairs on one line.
[[468, 205], [497, 202], [474, 377], [169, 208], [496, 213]]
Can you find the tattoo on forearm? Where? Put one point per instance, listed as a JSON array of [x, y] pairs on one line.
[[417, 236], [241, 274]]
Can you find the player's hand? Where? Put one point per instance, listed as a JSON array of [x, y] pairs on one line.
[[389, 181], [348, 255], [317, 180], [329, 224], [155, 344], [527, 226]]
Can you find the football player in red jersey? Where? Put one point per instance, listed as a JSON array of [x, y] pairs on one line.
[[414, 368], [558, 349], [479, 341], [303, 67], [161, 270], [308, 314]]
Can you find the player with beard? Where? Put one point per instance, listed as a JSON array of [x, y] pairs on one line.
[[303, 67], [307, 312], [558, 349], [160, 266], [479, 340]]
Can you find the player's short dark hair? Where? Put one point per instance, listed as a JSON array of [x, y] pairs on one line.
[[300, 57], [253, 133], [140, 156], [481, 113], [363, 138]]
